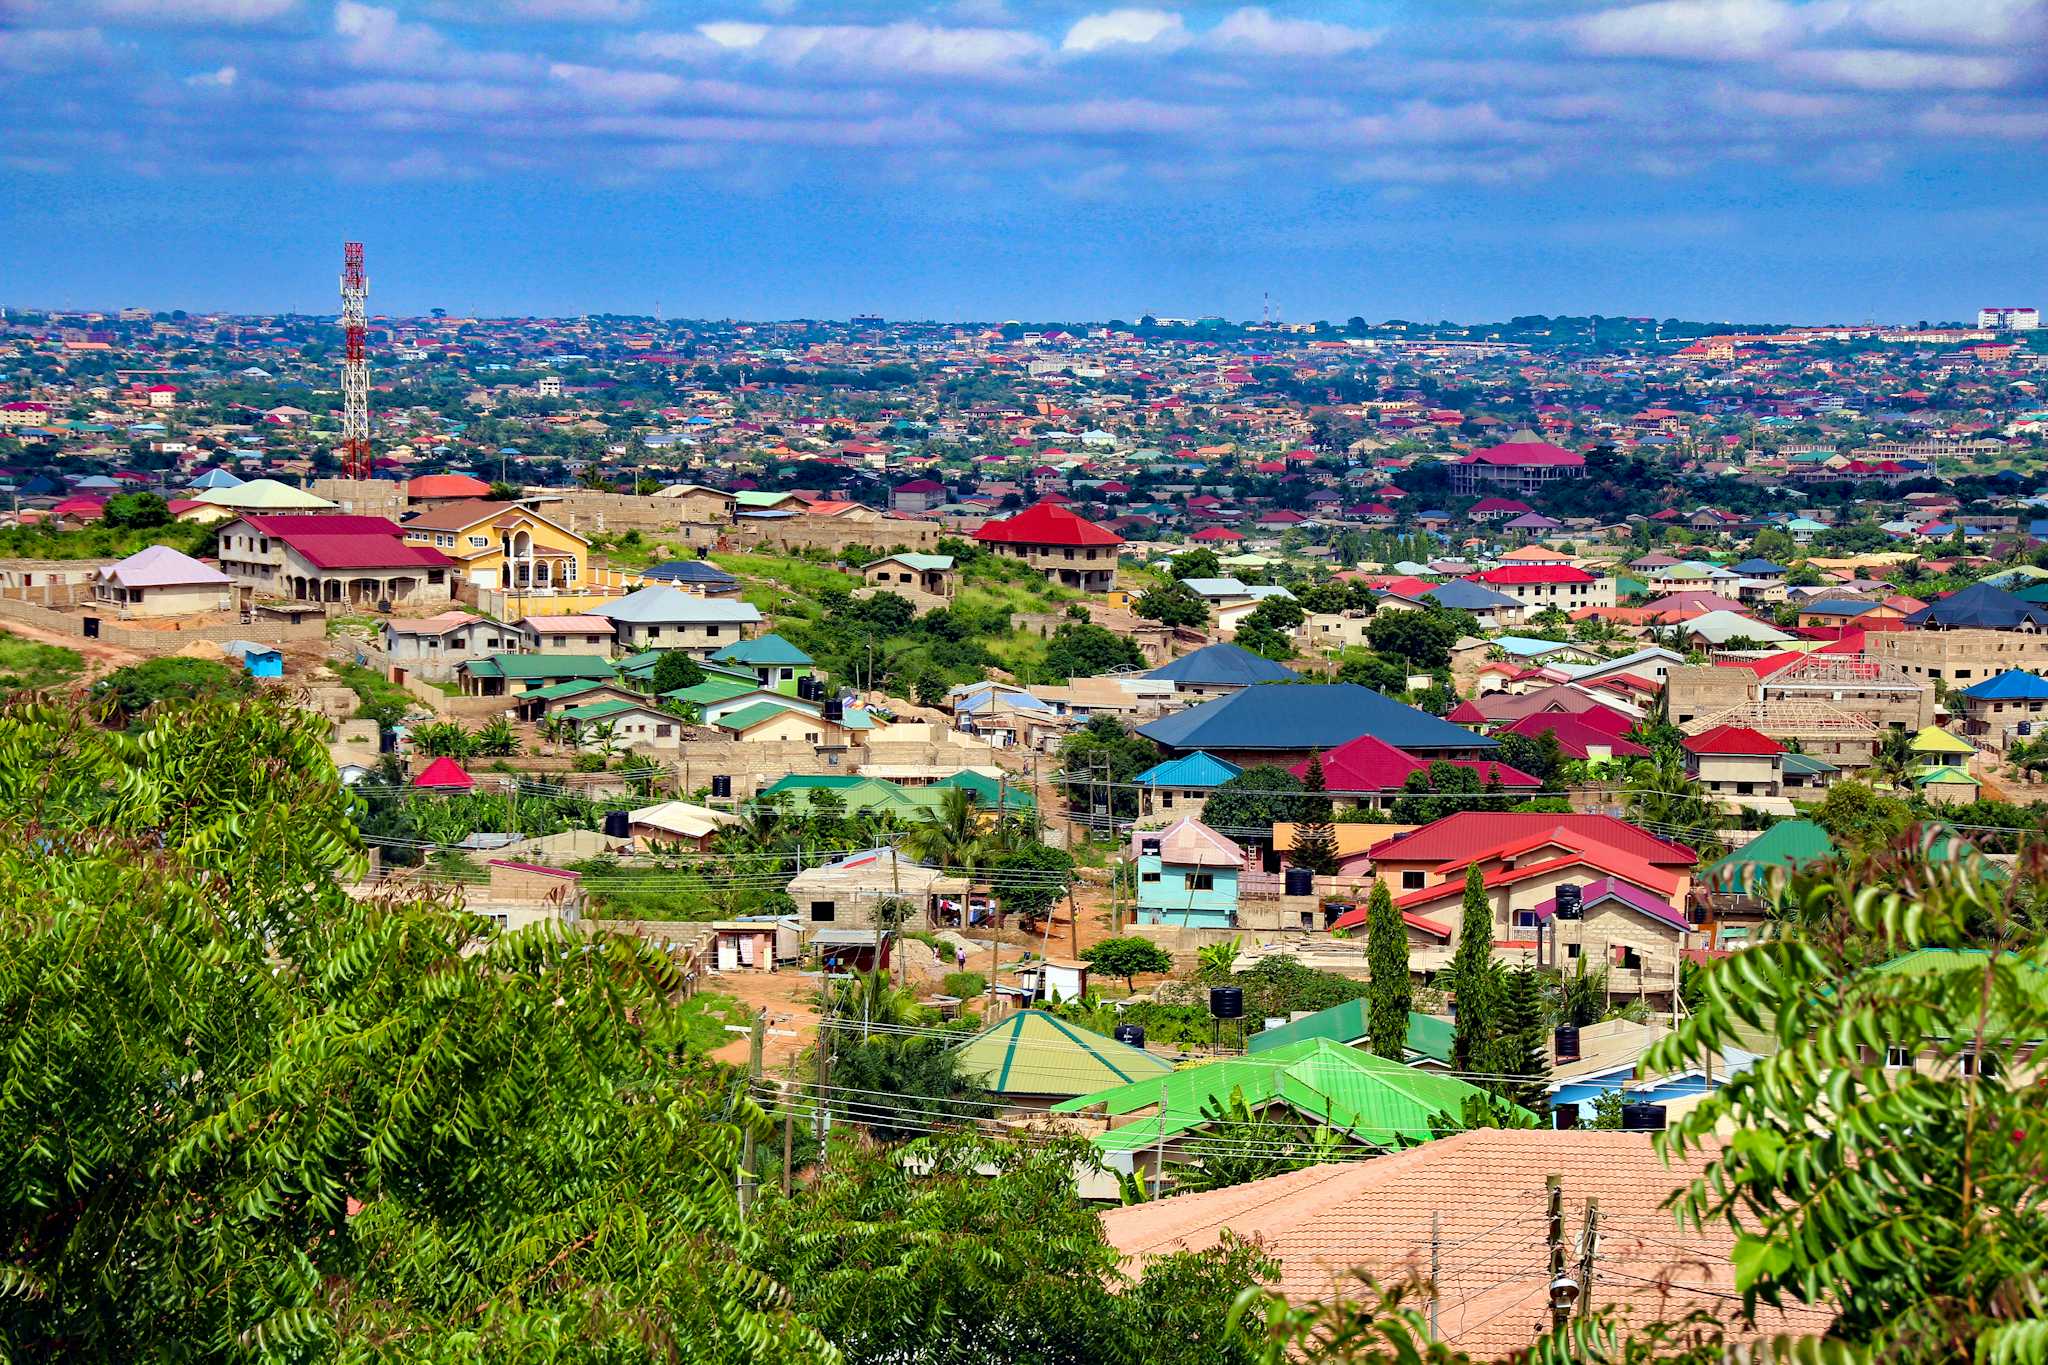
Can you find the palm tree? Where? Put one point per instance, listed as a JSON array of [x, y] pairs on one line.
[[948, 835], [1893, 761], [495, 739], [1663, 797], [605, 735]]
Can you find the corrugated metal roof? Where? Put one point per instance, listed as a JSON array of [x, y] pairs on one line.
[[1313, 716], [1032, 1052]]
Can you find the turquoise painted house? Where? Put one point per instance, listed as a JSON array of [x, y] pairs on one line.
[[1187, 875], [1181, 786]]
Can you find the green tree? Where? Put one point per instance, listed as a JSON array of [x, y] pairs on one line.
[[1099, 760], [135, 512], [1475, 979], [134, 689], [1392, 991], [1197, 563], [1860, 818], [1660, 795], [1080, 650], [1173, 606], [1422, 638], [1256, 799], [1128, 958], [1523, 1047], [675, 670], [1031, 878], [320, 1128], [495, 738], [1315, 838]]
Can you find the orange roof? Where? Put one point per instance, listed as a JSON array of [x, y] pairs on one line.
[[446, 486], [1484, 1192]]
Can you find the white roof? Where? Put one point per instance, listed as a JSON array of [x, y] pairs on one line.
[[663, 605], [683, 819], [160, 566]]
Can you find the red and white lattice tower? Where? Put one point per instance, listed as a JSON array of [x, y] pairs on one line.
[[355, 364]]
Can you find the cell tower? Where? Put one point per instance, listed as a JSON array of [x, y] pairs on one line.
[[355, 365]]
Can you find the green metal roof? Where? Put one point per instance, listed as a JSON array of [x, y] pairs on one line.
[[748, 716], [525, 667], [713, 690], [1377, 1102], [1806, 765], [1789, 844], [1945, 776], [766, 650], [1346, 1023], [575, 687], [987, 790], [1032, 1052], [604, 710]]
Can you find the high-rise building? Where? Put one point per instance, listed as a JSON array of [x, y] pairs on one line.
[[2009, 319]]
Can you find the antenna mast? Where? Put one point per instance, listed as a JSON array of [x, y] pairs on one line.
[[355, 364]]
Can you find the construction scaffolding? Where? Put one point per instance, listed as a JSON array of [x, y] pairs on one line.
[[1840, 674]]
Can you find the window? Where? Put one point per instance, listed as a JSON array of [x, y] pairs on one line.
[[711, 632], [1571, 950], [1525, 919], [822, 912], [1411, 881], [1897, 1059], [654, 632], [1201, 881], [663, 731], [480, 541], [1166, 800], [1980, 1064], [1148, 876], [1630, 960]]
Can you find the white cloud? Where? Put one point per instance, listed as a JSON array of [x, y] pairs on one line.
[[1696, 30], [1970, 23], [2018, 124], [46, 49], [577, 11], [1883, 69], [221, 79], [1153, 28], [876, 50], [615, 86], [374, 36], [196, 11], [1254, 29]]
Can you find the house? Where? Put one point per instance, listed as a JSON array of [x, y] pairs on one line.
[[917, 497], [1440, 851], [755, 944], [2011, 706], [1524, 463], [258, 660], [1635, 932], [1541, 586], [1220, 669], [1427, 1045], [431, 490], [1493, 610], [500, 675], [332, 558], [780, 722], [1067, 548], [1369, 1103], [1736, 761], [1031, 1060], [505, 546], [843, 893], [1187, 875], [1051, 979], [1935, 747], [1180, 786], [1597, 735], [1472, 1205], [664, 617], [694, 503], [575, 634], [160, 581], [431, 647], [671, 823], [1285, 724], [1731, 898], [908, 572], [778, 664], [1368, 771], [614, 723], [699, 576]]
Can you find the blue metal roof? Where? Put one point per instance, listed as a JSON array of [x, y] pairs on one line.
[[1223, 665], [1979, 606], [1460, 595], [1189, 770], [2014, 684], [1314, 716], [689, 571]]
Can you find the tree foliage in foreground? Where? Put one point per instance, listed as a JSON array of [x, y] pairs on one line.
[[249, 1117]]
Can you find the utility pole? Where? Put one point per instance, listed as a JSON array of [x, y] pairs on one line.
[[1159, 1148], [1436, 1238], [1073, 925], [788, 1143], [748, 1178], [1553, 1234], [1589, 1247], [821, 1114]]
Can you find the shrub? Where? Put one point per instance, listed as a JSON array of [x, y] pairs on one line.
[[965, 985]]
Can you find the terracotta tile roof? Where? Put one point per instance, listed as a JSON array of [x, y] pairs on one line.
[[1486, 1188]]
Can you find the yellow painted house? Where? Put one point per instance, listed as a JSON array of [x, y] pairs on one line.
[[504, 547]]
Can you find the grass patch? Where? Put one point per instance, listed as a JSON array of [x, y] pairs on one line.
[[382, 700], [30, 665], [364, 626], [705, 1015]]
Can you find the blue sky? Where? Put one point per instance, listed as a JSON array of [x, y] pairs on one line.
[[1823, 160]]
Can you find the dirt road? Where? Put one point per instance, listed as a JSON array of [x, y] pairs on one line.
[[100, 658]]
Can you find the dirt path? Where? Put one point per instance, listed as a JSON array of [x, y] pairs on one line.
[[100, 658], [789, 999]]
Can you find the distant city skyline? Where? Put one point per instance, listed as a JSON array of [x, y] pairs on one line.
[[1740, 160]]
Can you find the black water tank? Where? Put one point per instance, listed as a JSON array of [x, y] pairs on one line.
[[1642, 1118], [387, 741], [1568, 901], [1132, 1035], [1567, 1115], [1566, 1043], [1226, 1002], [1300, 882], [835, 709], [617, 824], [721, 785]]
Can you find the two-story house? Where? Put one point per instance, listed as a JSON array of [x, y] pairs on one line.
[[1187, 875]]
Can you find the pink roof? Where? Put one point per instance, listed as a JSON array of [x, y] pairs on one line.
[[445, 772], [1515, 574], [1510, 454], [160, 566], [1370, 764], [1577, 733], [343, 541], [1471, 832]]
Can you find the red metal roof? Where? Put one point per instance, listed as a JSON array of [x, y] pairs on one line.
[[1047, 523], [341, 541], [1577, 733], [1512, 574], [1512, 453], [1471, 832], [444, 772], [1733, 739], [1367, 764]]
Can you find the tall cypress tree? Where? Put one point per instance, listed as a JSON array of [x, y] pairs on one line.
[[1390, 993], [1475, 980], [1315, 838], [1521, 1049]]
